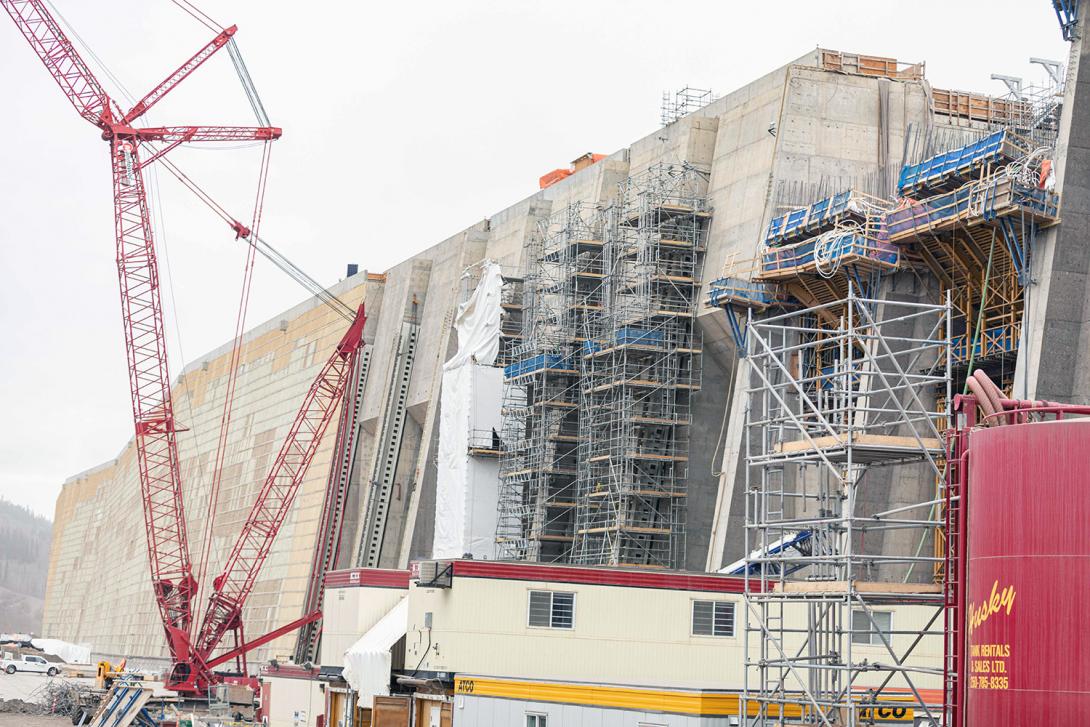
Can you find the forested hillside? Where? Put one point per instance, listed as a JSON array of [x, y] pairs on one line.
[[24, 562]]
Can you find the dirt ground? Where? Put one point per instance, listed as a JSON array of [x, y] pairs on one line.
[[26, 720]]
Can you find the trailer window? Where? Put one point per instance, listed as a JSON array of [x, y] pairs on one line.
[[713, 618], [551, 610], [864, 632]]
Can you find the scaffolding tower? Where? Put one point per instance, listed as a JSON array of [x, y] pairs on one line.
[[639, 365], [830, 410], [683, 102], [561, 291]]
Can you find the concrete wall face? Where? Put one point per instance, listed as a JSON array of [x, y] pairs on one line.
[[765, 147], [1054, 360], [98, 588]]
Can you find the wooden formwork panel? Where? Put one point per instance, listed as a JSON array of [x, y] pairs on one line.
[[874, 66], [978, 107]]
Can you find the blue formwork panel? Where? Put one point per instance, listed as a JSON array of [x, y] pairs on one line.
[[988, 200], [848, 245], [536, 363], [819, 217], [634, 335], [927, 213], [944, 172], [743, 292], [1039, 200]]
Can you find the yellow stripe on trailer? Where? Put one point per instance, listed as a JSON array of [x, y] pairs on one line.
[[697, 702], [674, 701]]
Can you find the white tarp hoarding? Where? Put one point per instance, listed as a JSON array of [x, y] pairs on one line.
[[70, 653], [367, 662], [467, 487]]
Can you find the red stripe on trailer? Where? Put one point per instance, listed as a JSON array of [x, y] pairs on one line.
[[367, 578], [605, 576]]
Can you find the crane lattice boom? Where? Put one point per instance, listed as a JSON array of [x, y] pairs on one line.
[[131, 150]]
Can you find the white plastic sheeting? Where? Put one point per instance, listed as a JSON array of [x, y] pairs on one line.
[[478, 321], [367, 662], [70, 653], [466, 487]]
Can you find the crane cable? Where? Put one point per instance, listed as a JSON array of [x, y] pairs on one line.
[[268, 251], [232, 379], [247, 83], [199, 15], [273, 255]]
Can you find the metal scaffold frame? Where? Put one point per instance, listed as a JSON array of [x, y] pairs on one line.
[[828, 406], [639, 365], [683, 102], [561, 292]]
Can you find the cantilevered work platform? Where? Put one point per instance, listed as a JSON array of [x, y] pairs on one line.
[[747, 293], [830, 407], [977, 241], [950, 170], [862, 210], [825, 254], [812, 254], [974, 204]]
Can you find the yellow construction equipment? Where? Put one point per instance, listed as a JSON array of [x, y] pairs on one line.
[[107, 672]]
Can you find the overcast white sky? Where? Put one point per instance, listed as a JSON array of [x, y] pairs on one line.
[[403, 124]]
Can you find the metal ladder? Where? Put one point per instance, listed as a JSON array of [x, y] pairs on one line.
[[954, 687], [389, 451], [327, 544]]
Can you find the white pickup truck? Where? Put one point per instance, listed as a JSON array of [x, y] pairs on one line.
[[29, 663]]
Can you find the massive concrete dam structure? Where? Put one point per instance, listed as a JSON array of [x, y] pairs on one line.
[[690, 203]]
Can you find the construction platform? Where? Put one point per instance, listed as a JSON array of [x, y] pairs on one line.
[[979, 202], [850, 206], [948, 171]]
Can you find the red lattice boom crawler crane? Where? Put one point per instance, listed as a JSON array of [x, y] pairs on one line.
[[172, 576]]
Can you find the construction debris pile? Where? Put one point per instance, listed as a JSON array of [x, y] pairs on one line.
[[57, 697]]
